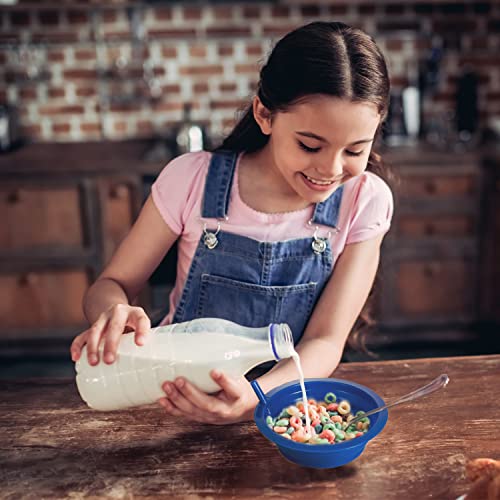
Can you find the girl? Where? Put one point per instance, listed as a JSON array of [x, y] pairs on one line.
[[282, 223]]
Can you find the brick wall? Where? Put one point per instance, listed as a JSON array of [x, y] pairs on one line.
[[78, 70]]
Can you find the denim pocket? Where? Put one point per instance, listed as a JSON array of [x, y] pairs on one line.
[[256, 305]]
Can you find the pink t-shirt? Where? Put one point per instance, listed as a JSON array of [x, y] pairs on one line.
[[365, 212]]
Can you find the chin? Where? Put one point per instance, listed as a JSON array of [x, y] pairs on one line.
[[319, 197]]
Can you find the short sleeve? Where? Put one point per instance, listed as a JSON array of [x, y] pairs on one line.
[[373, 209], [178, 186]]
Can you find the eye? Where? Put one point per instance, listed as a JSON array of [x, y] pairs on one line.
[[354, 153], [307, 148]]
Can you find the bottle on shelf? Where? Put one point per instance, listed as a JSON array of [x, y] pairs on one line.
[[411, 103], [190, 136]]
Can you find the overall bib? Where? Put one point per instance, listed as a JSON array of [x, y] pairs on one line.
[[251, 282]]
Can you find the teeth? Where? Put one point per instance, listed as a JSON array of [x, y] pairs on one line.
[[315, 181]]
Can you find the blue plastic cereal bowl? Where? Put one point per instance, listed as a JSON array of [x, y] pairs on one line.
[[321, 456]]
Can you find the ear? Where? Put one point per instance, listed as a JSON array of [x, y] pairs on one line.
[[262, 116]]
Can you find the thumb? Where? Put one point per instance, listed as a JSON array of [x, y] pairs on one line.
[[228, 384]]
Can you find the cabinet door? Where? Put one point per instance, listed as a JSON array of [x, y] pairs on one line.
[[433, 288], [490, 245], [430, 184], [40, 217], [429, 266], [494, 243], [420, 226], [42, 299], [120, 202]]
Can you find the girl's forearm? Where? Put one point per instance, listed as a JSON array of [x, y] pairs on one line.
[[102, 295], [318, 357]]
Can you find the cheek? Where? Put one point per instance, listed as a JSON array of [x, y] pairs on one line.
[[357, 167], [290, 160]]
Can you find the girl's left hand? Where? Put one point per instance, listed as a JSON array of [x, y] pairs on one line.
[[234, 403]]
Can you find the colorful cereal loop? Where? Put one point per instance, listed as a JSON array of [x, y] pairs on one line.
[[344, 407], [330, 397]]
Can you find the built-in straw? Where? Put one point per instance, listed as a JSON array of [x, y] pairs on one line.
[[260, 394]]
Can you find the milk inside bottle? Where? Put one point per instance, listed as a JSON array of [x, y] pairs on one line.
[[191, 350]]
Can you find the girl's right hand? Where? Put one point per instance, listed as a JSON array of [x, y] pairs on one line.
[[111, 324]]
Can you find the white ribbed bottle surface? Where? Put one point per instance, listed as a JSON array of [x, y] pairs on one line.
[[191, 349], [134, 378]]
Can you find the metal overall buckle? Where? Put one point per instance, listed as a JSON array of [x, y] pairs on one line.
[[319, 244], [210, 237]]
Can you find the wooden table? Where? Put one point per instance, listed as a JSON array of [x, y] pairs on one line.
[[52, 446]]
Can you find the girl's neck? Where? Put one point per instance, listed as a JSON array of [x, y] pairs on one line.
[[262, 187]]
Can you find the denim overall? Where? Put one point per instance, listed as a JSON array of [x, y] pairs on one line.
[[253, 282]]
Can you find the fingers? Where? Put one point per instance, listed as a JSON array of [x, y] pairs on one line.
[[114, 331], [140, 322], [196, 405], [227, 384], [170, 408], [111, 324], [94, 335], [177, 398], [77, 345], [91, 336], [187, 401], [198, 398]]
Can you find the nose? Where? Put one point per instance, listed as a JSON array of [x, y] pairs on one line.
[[332, 169]]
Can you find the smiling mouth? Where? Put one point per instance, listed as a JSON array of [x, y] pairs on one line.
[[318, 181]]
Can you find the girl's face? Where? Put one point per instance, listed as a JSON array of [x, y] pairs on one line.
[[319, 143]]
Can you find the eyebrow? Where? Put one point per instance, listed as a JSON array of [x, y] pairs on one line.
[[322, 139]]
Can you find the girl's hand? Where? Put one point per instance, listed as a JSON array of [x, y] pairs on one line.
[[111, 324], [234, 403]]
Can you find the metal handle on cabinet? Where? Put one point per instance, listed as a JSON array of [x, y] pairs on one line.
[[430, 187], [431, 270], [27, 279], [14, 197], [430, 229], [118, 192]]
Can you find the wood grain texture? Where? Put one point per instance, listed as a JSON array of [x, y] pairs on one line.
[[35, 299], [39, 216], [53, 446], [66, 159]]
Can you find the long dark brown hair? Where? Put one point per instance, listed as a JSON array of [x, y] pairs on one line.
[[328, 58]]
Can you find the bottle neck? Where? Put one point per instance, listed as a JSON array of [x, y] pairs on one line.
[[281, 339]]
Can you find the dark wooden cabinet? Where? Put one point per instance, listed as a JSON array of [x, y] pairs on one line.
[[119, 208], [37, 216], [429, 274], [42, 299], [490, 242], [64, 210]]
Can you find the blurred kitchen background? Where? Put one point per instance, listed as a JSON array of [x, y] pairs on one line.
[[97, 96]]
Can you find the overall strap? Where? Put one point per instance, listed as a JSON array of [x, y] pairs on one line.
[[218, 184], [326, 213]]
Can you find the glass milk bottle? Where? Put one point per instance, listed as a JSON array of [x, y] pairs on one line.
[[191, 350]]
